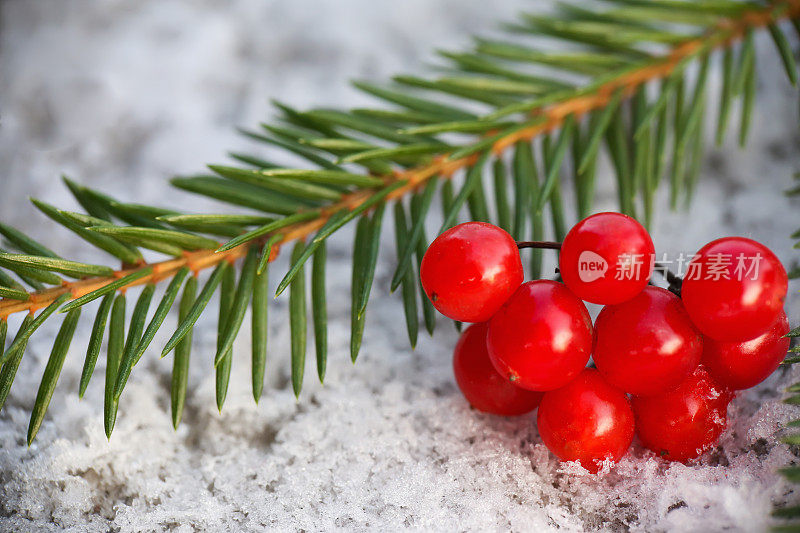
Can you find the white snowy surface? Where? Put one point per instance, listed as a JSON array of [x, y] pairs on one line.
[[122, 95]]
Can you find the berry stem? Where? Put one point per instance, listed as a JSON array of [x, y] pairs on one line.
[[674, 280], [548, 245]]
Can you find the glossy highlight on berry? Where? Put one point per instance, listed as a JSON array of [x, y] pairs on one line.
[[606, 258], [470, 270], [648, 344], [542, 337], [734, 289], [741, 365], [482, 386], [685, 422], [586, 420]]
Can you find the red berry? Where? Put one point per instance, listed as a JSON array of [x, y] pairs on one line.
[[470, 270], [542, 337], [685, 422], [734, 289], [482, 386], [586, 420], [646, 345], [741, 365], [606, 258]]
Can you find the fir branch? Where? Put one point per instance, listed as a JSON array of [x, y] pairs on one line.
[[366, 158], [597, 96]]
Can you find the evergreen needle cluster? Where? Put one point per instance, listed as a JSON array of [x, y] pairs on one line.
[[623, 77]]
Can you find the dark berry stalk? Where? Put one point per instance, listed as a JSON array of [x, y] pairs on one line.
[[671, 277], [548, 245]]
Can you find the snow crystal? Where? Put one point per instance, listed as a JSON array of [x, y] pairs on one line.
[[122, 95]]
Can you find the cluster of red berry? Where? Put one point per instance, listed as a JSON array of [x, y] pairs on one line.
[[666, 366]]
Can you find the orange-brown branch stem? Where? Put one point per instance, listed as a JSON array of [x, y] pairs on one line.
[[723, 34]]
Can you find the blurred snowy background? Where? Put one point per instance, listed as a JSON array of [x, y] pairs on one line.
[[123, 94]]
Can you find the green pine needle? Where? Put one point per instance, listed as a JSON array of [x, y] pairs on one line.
[[370, 261], [404, 262], [786, 53], [473, 177], [24, 243], [95, 343], [559, 151], [319, 310], [241, 301], [52, 371], [23, 336], [326, 177], [148, 236], [358, 281], [409, 279], [260, 329], [262, 178], [598, 130], [135, 331], [8, 371], [428, 312], [308, 251], [199, 305], [14, 294], [298, 321], [127, 254], [107, 289], [268, 228], [222, 368], [161, 313], [180, 363], [116, 345]]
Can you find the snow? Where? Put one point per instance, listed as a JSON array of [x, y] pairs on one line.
[[121, 95]]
